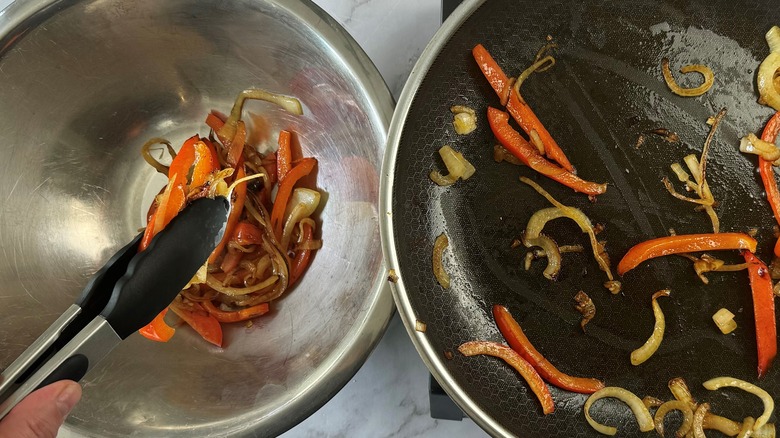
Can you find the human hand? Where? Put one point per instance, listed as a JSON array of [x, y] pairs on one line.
[[41, 413]]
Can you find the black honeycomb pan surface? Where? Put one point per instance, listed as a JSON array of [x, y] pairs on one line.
[[605, 90]]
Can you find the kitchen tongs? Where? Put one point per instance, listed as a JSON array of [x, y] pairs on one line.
[[122, 297]]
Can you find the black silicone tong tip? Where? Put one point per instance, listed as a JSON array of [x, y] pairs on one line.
[[155, 276]]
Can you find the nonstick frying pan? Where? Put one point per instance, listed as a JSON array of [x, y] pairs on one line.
[[605, 90]]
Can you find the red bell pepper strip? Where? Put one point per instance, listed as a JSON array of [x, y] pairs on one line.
[[237, 207], [285, 190], [176, 201], [236, 145], [214, 122], [231, 261], [236, 315], [182, 163], [525, 152], [511, 357], [284, 155], [302, 257], [246, 233], [683, 243], [768, 173], [204, 164], [517, 107], [763, 310], [201, 321], [514, 335], [198, 158], [158, 330]]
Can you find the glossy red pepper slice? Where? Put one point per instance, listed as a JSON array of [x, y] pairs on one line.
[[517, 107], [525, 152], [201, 321], [767, 172], [284, 155], [158, 330], [303, 168], [236, 208], [302, 257], [236, 315], [247, 233], [514, 335], [520, 365], [683, 243], [763, 310]]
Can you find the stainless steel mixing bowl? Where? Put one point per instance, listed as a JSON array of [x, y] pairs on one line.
[[83, 84]]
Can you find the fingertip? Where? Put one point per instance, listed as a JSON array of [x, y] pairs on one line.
[[68, 396]]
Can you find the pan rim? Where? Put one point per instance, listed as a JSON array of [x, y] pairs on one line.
[[425, 349]]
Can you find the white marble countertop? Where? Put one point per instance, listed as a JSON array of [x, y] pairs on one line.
[[388, 397]]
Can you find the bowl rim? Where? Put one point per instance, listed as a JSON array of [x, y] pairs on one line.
[[431, 357], [378, 309]]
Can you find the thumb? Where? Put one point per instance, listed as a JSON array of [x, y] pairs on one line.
[[41, 413]]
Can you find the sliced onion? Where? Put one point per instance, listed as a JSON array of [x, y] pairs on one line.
[[709, 79], [750, 144], [680, 391], [465, 120], [536, 141], [551, 251], [769, 403], [641, 413], [682, 175], [539, 65], [441, 275], [641, 354], [747, 428], [585, 225], [238, 291], [652, 402], [698, 420], [151, 160], [767, 71], [457, 165], [765, 431], [501, 154], [539, 219], [721, 424], [674, 405], [725, 321], [302, 204]]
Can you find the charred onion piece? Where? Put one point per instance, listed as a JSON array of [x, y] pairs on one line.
[[669, 136], [586, 307], [709, 79], [501, 154], [699, 170], [584, 223]]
